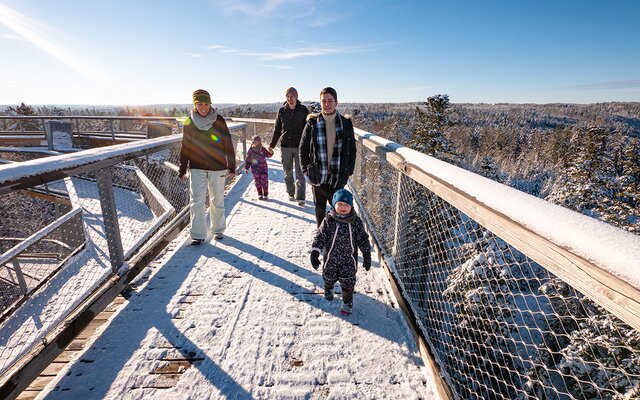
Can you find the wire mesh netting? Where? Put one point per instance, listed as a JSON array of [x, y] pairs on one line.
[[499, 325], [66, 264]]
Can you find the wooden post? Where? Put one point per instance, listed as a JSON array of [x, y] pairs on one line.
[[110, 218], [244, 142], [78, 127], [399, 239], [21, 281], [44, 128]]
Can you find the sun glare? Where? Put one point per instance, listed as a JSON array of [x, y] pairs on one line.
[[28, 29]]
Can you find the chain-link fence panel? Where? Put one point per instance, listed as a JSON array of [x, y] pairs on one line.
[[375, 182], [85, 228], [499, 325]]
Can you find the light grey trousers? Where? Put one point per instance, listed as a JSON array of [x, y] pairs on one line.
[[200, 182], [289, 157]]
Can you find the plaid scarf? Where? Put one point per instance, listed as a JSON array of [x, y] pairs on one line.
[[329, 172]]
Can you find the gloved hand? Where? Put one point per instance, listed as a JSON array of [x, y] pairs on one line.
[[366, 263], [315, 259]]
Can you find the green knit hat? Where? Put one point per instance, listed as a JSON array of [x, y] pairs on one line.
[[201, 96]]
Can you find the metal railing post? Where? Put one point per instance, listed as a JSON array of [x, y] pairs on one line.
[[21, 281], [110, 217], [244, 142], [399, 239], [113, 135]]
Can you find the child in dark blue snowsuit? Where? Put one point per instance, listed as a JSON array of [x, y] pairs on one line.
[[257, 161], [339, 237]]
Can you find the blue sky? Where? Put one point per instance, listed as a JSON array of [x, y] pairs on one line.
[[248, 51]]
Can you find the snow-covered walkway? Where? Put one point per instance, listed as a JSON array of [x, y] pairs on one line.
[[249, 311]]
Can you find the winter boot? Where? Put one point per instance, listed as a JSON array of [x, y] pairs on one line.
[[346, 308], [347, 302], [328, 292]]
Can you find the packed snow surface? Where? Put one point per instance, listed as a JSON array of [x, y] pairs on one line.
[[249, 309]]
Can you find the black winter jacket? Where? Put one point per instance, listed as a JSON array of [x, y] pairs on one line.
[[210, 150], [310, 153], [289, 125]]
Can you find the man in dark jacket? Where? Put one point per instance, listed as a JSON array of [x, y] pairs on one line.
[[207, 151], [290, 122], [327, 151]]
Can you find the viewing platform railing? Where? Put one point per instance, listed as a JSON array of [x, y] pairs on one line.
[[76, 229], [511, 297]]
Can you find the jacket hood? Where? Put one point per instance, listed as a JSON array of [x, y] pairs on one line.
[[316, 115]]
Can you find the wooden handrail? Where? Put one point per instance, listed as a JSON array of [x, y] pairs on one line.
[[537, 230]]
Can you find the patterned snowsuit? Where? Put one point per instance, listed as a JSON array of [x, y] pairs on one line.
[[338, 240], [257, 161]]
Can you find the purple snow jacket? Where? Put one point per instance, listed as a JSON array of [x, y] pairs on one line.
[[257, 161]]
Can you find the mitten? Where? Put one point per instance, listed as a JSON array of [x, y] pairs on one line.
[[315, 259], [366, 263]]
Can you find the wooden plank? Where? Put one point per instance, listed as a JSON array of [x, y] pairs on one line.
[[49, 197], [164, 381], [53, 368], [173, 367], [76, 345], [189, 299], [28, 395], [66, 356], [40, 382], [91, 329]]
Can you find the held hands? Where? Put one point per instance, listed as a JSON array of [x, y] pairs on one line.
[[270, 150], [315, 259]]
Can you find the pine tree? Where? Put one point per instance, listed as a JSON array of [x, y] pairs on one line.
[[27, 111], [489, 169], [429, 131], [588, 181]]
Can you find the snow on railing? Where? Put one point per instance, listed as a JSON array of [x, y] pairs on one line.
[[125, 195]]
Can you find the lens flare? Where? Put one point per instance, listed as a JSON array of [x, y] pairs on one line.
[[215, 138]]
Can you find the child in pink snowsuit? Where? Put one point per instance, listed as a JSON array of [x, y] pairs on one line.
[[257, 161]]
